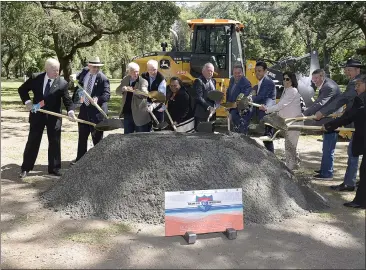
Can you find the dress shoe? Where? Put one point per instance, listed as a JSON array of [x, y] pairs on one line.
[[317, 171], [72, 163], [322, 177], [353, 205], [55, 172], [357, 183], [342, 187], [23, 174]]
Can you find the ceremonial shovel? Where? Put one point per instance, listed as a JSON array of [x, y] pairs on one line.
[[106, 124], [207, 127], [100, 126], [155, 96], [276, 121]]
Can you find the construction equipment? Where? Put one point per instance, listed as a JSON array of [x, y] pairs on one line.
[[219, 41]]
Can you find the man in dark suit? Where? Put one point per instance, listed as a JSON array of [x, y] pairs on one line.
[[97, 85], [352, 71], [327, 90], [357, 115], [239, 85], [50, 88], [266, 95], [202, 85]]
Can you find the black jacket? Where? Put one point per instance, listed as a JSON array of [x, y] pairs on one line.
[[179, 107], [202, 87], [101, 90], [58, 91], [357, 115]]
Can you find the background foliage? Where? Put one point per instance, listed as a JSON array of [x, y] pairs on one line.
[[117, 31]]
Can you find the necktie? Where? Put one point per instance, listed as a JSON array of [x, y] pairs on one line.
[[47, 88], [88, 90]]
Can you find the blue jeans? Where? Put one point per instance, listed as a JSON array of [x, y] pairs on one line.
[[241, 123], [352, 167], [130, 126], [329, 144]]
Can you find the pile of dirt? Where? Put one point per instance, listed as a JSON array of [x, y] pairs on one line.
[[125, 176]]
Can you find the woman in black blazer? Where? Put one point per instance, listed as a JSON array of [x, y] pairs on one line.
[[179, 102]]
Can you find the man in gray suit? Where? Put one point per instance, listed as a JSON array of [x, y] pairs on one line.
[[352, 71], [134, 107], [328, 89]]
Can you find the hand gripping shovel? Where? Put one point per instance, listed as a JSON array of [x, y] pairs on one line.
[[171, 120], [155, 96], [207, 127], [91, 99], [100, 126], [106, 124]]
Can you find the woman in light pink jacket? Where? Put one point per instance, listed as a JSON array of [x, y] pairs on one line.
[[289, 106]]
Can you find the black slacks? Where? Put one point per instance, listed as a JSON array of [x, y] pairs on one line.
[[38, 121]]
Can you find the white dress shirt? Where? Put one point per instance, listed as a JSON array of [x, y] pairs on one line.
[[161, 89], [259, 85], [45, 81]]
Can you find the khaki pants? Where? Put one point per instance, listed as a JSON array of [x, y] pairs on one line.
[[291, 139]]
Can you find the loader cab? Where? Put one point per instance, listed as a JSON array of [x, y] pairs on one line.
[[216, 41]]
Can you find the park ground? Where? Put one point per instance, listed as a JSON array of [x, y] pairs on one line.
[[36, 237]]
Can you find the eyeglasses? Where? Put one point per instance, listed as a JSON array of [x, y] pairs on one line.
[[286, 79]]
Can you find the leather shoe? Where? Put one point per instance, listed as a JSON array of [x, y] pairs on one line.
[[353, 205], [342, 187], [317, 171], [55, 172], [72, 163], [23, 174], [322, 177]]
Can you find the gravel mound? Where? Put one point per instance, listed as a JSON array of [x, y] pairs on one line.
[[125, 176]]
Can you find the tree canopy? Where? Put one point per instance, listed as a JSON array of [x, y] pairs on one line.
[[117, 31]]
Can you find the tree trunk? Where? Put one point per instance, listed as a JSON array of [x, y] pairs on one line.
[[7, 64], [65, 67]]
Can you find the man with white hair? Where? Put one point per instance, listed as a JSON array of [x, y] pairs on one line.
[[202, 85], [156, 82], [134, 110], [92, 79], [48, 90]]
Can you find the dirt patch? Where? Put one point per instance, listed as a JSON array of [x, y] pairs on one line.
[[125, 177]]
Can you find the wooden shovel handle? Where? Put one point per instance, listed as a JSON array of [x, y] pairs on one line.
[[171, 120], [317, 128], [312, 117], [65, 116], [91, 100]]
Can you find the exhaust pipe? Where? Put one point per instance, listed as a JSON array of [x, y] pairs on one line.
[[176, 43]]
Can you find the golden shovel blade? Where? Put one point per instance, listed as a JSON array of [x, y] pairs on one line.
[[229, 105], [157, 96]]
